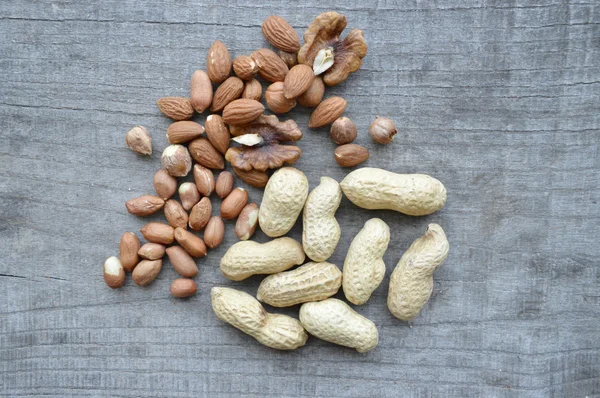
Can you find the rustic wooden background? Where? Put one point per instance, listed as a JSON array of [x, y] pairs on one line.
[[498, 99]]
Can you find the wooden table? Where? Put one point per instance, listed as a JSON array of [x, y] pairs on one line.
[[499, 100]]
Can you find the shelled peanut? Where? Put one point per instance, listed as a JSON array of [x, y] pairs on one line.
[[188, 151], [173, 239]]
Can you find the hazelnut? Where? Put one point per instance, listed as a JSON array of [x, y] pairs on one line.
[[382, 130], [176, 160], [343, 131], [138, 140]]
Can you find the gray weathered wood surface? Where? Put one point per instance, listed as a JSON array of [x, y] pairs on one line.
[[498, 99]]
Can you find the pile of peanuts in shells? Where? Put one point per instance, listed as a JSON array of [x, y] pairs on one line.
[[256, 145]]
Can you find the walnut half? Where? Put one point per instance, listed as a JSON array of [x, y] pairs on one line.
[[261, 144], [327, 53]]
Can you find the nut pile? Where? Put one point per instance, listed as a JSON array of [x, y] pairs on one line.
[[297, 74], [145, 261]]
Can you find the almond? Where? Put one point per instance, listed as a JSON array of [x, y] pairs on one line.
[[290, 59], [255, 178], [176, 160], [350, 155], [247, 222], [218, 62], [182, 262], [270, 66], [228, 91], [205, 180], [200, 214], [217, 133], [144, 205], [224, 184], [114, 274], [189, 195], [313, 96], [252, 90], [201, 91], [215, 230], [175, 214], [165, 185], [276, 101], [242, 111], [192, 243], [138, 140], [184, 131], [233, 204], [183, 287], [176, 108], [128, 251], [281, 34], [244, 67], [327, 112], [204, 153], [151, 251], [297, 81], [157, 232], [146, 271]]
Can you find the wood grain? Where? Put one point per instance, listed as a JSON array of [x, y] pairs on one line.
[[497, 99]]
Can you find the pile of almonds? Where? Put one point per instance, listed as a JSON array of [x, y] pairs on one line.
[[296, 74]]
